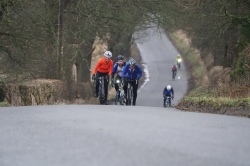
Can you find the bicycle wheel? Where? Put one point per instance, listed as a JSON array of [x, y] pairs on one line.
[[101, 94], [169, 102], [117, 97], [166, 102]]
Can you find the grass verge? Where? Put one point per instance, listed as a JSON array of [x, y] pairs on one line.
[[202, 98]]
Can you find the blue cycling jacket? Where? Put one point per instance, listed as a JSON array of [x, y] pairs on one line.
[[118, 69], [133, 75], [168, 92]]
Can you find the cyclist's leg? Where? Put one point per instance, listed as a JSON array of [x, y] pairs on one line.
[[135, 87], [97, 83], [125, 86], [106, 83]]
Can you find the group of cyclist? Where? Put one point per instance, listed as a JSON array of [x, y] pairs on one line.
[[126, 72], [168, 91]]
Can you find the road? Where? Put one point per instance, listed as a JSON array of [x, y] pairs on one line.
[[159, 55], [92, 135], [95, 135]]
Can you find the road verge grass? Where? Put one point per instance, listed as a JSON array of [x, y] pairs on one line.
[[202, 98]]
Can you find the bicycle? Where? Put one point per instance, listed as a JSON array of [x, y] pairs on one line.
[[101, 92], [167, 101], [130, 95], [119, 97]]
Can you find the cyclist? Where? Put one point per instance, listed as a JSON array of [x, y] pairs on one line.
[[178, 57], [103, 68], [174, 69], [117, 69], [168, 91], [134, 73]]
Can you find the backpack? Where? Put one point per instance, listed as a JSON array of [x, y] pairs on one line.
[[174, 67]]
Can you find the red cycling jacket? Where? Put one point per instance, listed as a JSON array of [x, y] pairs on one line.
[[103, 66]]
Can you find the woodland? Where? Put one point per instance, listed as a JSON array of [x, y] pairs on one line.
[[44, 38]]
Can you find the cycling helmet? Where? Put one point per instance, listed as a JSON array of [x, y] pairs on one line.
[[132, 61], [119, 57], [108, 54], [168, 87]]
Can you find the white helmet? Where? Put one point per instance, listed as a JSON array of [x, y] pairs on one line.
[[168, 87], [108, 54]]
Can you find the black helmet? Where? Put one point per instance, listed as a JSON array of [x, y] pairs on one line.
[[119, 57]]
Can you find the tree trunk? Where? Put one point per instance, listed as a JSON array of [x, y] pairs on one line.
[[60, 41]]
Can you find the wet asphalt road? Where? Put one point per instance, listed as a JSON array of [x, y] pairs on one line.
[[150, 135]]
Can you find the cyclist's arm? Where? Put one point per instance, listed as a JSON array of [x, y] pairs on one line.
[[114, 70], [110, 67], [125, 70], [139, 73], [97, 66], [172, 91]]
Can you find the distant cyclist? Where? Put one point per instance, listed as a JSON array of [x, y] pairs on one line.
[[174, 70], [117, 69], [103, 68], [178, 59], [168, 92], [134, 73]]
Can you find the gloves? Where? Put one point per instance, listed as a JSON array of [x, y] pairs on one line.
[[172, 97], [93, 77]]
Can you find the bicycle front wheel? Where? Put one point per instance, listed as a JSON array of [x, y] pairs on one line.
[[101, 95]]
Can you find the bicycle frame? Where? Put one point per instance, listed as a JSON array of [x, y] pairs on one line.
[[101, 91], [130, 95], [168, 101], [119, 94]]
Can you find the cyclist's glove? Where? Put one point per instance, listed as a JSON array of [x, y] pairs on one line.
[[93, 77]]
